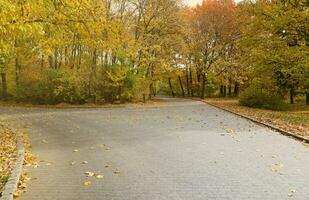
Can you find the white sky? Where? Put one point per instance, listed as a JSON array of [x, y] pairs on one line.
[[194, 2]]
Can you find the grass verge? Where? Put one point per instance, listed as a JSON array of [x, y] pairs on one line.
[[295, 119]]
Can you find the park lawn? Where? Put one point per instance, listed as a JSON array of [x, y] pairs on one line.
[[7, 154], [295, 119]]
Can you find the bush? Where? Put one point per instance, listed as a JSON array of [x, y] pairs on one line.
[[52, 87], [258, 97]]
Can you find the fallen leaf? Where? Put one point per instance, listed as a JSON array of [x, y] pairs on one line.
[[108, 165], [89, 174], [87, 183], [99, 176]]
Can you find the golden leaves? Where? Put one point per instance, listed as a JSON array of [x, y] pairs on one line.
[[7, 153]]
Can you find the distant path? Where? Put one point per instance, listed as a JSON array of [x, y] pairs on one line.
[[181, 149]]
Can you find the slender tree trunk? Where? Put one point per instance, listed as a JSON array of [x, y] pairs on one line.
[[154, 91], [55, 59], [94, 63], [50, 60], [181, 86], [230, 88], [4, 85], [236, 89], [191, 82], [42, 62], [307, 98], [65, 56], [198, 76], [150, 90], [171, 87], [94, 75], [292, 95], [230, 91], [79, 56], [60, 59], [17, 72], [187, 82], [221, 90], [224, 91], [203, 86]]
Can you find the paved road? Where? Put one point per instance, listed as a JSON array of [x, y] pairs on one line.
[[180, 149]]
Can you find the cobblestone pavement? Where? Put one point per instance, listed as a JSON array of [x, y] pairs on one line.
[[180, 149]]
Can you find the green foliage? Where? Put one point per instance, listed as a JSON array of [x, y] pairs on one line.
[[53, 87], [274, 41], [258, 97]]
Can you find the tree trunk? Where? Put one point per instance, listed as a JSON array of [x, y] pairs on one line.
[[150, 90], [224, 91], [203, 87], [17, 72], [42, 62], [230, 88], [80, 52], [154, 89], [4, 86], [230, 91], [181, 86], [187, 82], [94, 75], [191, 82], [236, 89], [171, 87], [292, 95], [56, 59], [94, 63], [307, 98], [65, 56], [50, 60], [199, 84], [221, 90]]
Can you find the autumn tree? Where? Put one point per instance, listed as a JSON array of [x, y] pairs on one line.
[[213, 30], [274, 43]]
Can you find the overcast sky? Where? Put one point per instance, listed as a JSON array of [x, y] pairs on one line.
[[194, 2]]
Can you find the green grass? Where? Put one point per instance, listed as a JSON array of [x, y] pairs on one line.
[[289, 117]]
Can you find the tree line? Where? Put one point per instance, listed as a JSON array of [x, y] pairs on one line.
[[129, 50]]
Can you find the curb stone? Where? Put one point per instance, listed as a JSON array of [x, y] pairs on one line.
[[11, 186], [287, 133]]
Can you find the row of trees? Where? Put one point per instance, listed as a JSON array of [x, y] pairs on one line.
[[77, 51], [106, 50], [260, 45]]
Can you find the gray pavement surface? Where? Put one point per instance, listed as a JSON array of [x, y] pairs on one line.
[[176, 150]]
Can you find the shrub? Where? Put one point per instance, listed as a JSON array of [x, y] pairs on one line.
[[257, 97], [51, 88]]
